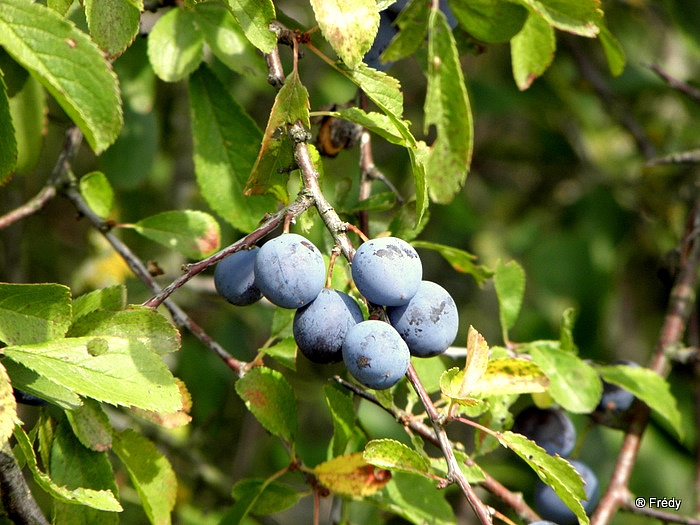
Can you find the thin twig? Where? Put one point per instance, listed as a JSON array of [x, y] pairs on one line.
[[17, 499], [692, 92], [680, 305]]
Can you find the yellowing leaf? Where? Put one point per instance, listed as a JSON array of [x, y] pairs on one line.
[[8, 407], [511, 376], [350, 475], [349, 27], [477, 361]]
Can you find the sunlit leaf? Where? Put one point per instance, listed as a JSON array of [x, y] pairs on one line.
[[532, 50], [97, 192], [175, 45], [509, 281], [31, 313], [113, 24], [395, 456], [254, 17], [8, 142], [193, 233], [491, 21], [8, 407], [350, 475], [511, 376]]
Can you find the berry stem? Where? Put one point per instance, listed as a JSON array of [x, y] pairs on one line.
[[454, 473]]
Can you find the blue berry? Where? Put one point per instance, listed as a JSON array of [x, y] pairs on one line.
[[550, 428], [615, 406], [552, 508], [387, 271], [375, 355], [320, 327], [234, 278], [428, 322], [290, 271]]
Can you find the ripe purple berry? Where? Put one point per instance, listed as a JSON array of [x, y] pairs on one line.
[[234, 278]]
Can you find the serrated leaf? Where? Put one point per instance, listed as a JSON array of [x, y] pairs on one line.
[[138, 323], [451, 386], [28, 110], [446, 107], [270, 397], [31, 313], [477, 361], [227, 40], [226, 143], [552, 470], [270, 172], [112, 298], [126, 374], [648, 386], [150, 473], [580, 17], [97, 499], [573, 383], [491, 21], [175, 45], [78, 468], [460, 260], [113, 24], [8, 142], [532, 50], [395, 456], [8, 408], [91, 425], [509, 281], [29, 381], [68, 64], [381, 201], [194, 234], [511, 376], [415, 499], [97, 192], [373, 121], [351, 476], [267, 497], [349, 27], [254, 17]]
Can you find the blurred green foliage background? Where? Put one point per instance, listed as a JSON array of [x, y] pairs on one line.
[[558, 182]]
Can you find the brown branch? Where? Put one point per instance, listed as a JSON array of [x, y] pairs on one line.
[[692, 92], [17, 500], [71, 144], [682, 300]]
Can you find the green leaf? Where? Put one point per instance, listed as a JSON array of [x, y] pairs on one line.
[[395, 456], [29, 381], [460, 260], [8, 142], [97, 499], [226, 142], [112, 298], [150, 473], [509, 281], [175, 45], [227, 40], [126, 374], [415, 499], [97, 192], [78, 468], [580, 17], [68, 64], [284, 351], [91, 425], [532, 50], [491, 21], [271, 170], [375, 122], [552, 470], [381, 201], [573, 383], [447, 108], [648, 386], [342, 408], [28, 110], [270, 398], [614, 53], [113, 24], [413, 25], [31, 313], [194, 234], [349, 27], [136, 323], [267, 497], [8, 408], [254, 17]]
